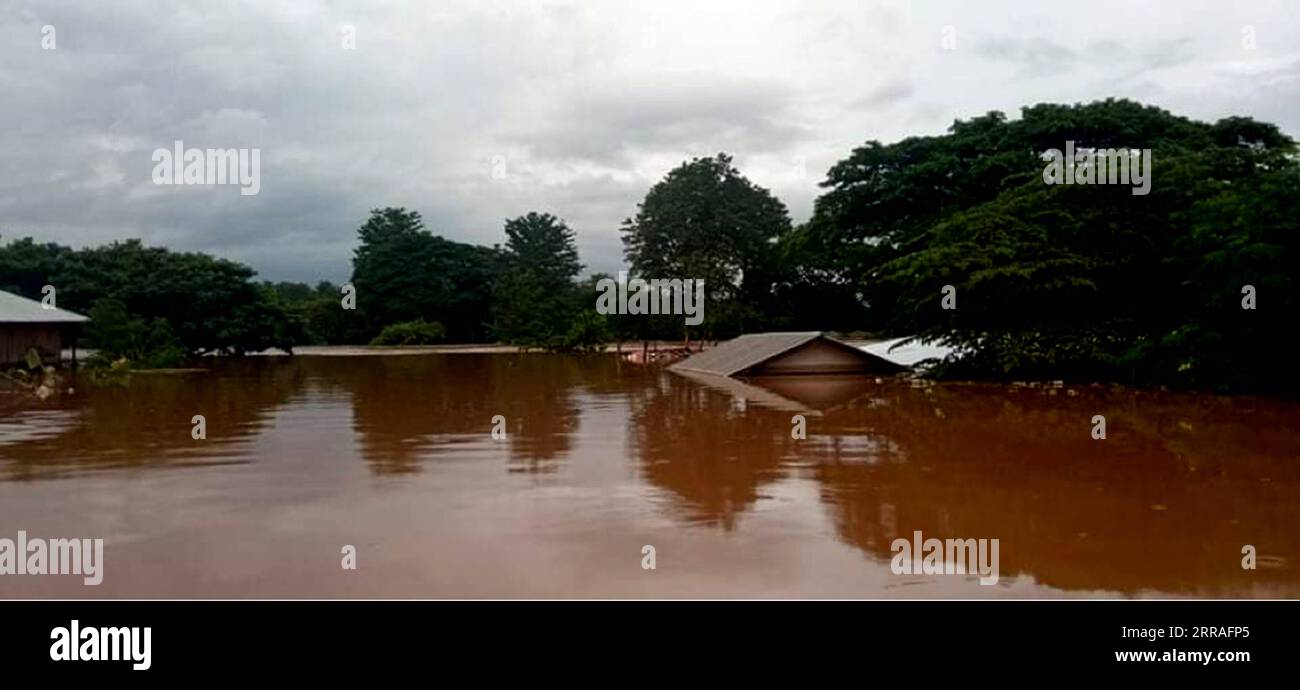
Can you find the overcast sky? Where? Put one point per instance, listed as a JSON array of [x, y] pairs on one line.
[[587, 103]]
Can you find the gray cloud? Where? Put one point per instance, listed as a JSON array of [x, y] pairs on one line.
[[1034, 57], [611, 123], [588, 104], [885, 95]]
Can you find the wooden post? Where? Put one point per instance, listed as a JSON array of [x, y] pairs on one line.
[[74, 331]]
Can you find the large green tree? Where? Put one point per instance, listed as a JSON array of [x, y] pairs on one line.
[[705, 220], [1074, 281], [402, 272], [535, 301]]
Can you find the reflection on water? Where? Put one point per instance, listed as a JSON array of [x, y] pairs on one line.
[[394, 455], [136, 425]]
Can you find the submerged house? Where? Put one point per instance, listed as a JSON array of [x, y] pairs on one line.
[[26, 324], [805, 372], [784, 354]]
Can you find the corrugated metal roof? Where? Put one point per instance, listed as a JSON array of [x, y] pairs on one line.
[[740, 354], [908, 354], [19, 309]]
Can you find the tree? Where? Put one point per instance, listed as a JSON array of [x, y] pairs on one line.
[[544, 245], [401, 272], [535, 300], [705, 220], [26, 267], [1073, 281]]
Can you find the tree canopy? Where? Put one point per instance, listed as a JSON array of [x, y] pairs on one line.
[[1074, 281], [207, 304], [535, 297], [705, 220], [402, 272]]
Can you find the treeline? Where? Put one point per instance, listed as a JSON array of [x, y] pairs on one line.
[[1084, 282], [703, 221], [150, 305], [411, 287]]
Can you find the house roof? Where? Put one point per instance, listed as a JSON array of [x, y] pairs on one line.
[[908, 351], [19, 309], [748, 351], [739, 354]]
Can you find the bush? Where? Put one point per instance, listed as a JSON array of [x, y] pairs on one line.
[[143, 344], [589, 332], [418, 332]]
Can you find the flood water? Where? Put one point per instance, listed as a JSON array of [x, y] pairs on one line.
[[395, 456]]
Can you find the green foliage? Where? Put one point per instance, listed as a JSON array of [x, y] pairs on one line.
[[544, 245], [808, 294], [25, 266], [144, 344], [535, 302], [208, 304], [705, 220], [418, 332], [1074, 281], [403, 273], [623, 327], [588, 332], [320, 311]]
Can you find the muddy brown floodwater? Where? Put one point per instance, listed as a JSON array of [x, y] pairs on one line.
[[394, 455]]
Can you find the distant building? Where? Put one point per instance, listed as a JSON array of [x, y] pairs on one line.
[[909, 352], [26, 323]]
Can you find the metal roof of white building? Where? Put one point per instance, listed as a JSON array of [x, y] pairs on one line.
[[19, 309], [908, 354]]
